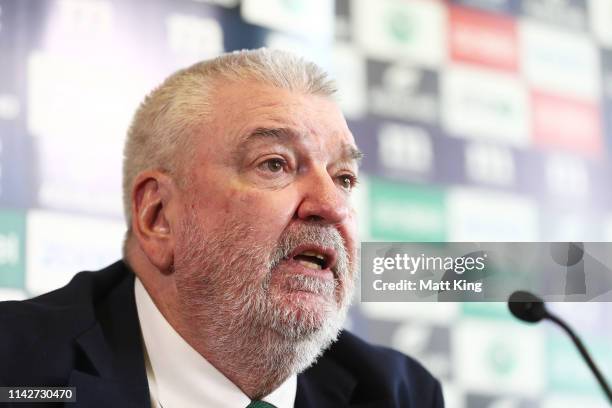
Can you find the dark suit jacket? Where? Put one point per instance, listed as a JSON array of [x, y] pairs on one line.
[[87, 335]]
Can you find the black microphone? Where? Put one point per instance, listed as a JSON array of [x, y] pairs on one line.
[[530, 308]]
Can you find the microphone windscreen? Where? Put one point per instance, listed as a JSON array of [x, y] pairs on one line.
[[526, 306]]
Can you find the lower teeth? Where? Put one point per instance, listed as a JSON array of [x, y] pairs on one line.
[[310, 265]]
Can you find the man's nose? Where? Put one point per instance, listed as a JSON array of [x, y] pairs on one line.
[[323, 200]]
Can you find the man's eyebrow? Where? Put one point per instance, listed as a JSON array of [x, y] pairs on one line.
[[350, 152], [263, 133], [276, 133]]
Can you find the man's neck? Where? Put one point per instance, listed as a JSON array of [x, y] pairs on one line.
[[257, 364]]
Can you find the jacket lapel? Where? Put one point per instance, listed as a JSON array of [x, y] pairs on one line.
[[112, 352], [330, 384], [325, 384]]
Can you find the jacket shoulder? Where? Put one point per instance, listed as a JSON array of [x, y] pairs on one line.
[[40, 331], [79, 295]]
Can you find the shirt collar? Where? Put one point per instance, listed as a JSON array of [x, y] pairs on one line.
[[181, 376]]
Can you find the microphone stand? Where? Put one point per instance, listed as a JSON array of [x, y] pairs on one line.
[[530, 308], [585, 354]]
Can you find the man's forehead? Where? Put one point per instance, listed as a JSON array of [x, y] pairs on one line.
[[246, 98], [248, 112]]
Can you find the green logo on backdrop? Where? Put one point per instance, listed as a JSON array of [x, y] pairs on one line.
[[402, 212], [502, 358], [12, 249], [401, 25]]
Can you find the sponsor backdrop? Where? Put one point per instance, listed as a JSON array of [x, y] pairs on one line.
[[481, 120]]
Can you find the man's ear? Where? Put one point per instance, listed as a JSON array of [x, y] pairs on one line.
[[155, 200]]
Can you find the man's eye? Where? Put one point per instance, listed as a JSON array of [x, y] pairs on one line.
[[273, 165], [348, 181]]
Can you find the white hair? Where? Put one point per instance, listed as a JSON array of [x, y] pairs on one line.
[[158, 137]]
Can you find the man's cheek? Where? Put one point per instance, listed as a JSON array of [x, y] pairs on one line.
[[352, 221], [262, 221], [268, 211], [351, 232]]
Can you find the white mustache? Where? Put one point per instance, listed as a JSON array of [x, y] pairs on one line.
[[328, 237]]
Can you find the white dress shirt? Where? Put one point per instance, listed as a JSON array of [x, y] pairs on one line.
[[179, 377]]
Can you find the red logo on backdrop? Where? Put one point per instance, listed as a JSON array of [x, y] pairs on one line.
[[483, 38], [566, 123]]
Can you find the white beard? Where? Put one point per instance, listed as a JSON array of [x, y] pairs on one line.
[[223, 283]]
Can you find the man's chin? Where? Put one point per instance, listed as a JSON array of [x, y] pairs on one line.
[[304, 315]]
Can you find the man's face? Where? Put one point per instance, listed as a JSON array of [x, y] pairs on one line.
[[268, 238]]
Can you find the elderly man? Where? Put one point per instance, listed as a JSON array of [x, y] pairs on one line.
[[239, 261]]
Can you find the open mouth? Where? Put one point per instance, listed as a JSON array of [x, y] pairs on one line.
[[312, 260]]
